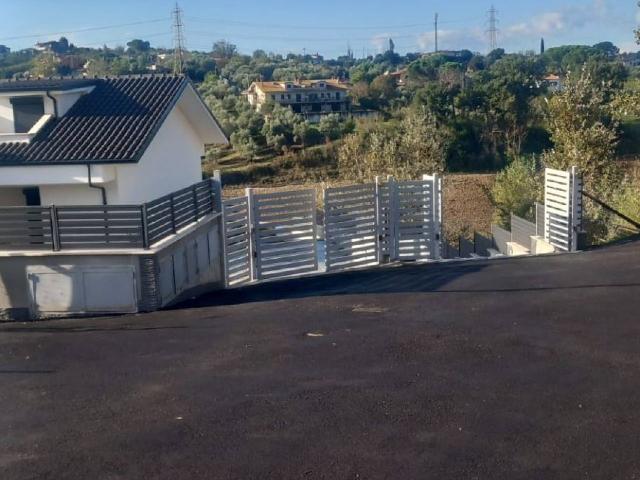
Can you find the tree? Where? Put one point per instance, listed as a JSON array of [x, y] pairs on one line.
[[138, 46], [382, 90], [306, 134], [422, 147], [279, 128], [516, 190], [245, 144], [224, 49], [607, 48], [45, 65], [330, 127], [583, 133]]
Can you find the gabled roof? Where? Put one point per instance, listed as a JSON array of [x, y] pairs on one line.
[[114, 123], [273, 87], [44, 84]]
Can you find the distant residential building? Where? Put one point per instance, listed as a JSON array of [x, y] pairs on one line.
[[399, 76], [630, 60], [54, 46], [311, 98], [553, 83]]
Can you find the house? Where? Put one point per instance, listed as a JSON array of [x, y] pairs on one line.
[[399, 76], [102, 204], [112, 141], [311, 98], [553, 83]]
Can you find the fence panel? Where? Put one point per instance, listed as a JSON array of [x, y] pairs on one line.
[[237, 244], [284, 233], [100, 226], [168, 214], [351, 226], [26, 228], [500, 238], [540, 220], [522, 230], [417, 231], [558, 205], [482, 244], [387, 213], [467, 248]]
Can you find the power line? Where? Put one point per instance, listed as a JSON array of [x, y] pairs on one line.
[[178, 41], [82, 30], [300, 27], [298, 39]]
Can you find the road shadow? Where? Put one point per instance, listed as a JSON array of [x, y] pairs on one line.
[[392, 279]]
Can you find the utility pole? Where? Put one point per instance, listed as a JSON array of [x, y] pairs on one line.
[[178, 40], [493, 28], [436, 32]]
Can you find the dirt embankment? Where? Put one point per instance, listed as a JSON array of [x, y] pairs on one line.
[[467, 204]]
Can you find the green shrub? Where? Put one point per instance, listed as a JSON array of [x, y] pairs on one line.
[[516, 190]]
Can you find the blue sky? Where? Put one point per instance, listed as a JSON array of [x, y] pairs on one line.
[[325, 26]]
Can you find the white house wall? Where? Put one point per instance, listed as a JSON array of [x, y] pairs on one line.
[[11, 196], [6, 115], [172, 161], [69, 195]]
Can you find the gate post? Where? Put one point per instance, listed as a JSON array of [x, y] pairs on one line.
[[394, 219], [436, 214], [217, 191], [253, 238], [379, 233], [576, 207]]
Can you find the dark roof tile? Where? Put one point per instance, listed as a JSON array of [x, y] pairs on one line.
[[113, 123]]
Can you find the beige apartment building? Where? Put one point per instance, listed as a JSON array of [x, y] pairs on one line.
[[311, 98]]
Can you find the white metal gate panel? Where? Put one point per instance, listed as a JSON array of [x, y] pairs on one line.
[[351, 226], [562, 204], [284, 233], [237, 244], [417, 207]]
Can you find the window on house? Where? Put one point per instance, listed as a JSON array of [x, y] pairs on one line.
[[337, 95], [273, 97], [26, 112], [282, 97]]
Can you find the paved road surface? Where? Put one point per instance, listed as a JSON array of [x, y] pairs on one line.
[[515, 369]]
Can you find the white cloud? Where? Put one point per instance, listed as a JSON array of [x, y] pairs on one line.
[[472, 39], [381, 41], [560, 21]]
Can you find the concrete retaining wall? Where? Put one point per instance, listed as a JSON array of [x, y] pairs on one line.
[[49, 284]]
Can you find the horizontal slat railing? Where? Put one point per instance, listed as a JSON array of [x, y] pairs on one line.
[[107, 226], [26, 228], [102, 226]]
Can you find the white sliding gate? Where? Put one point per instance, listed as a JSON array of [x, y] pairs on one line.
[[237, 244], [273, 235], [284, 233], [351, 226], [418, 217], [563, 208], [382, 222]]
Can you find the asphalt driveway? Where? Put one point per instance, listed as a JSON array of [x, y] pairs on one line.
[[514, 369]]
